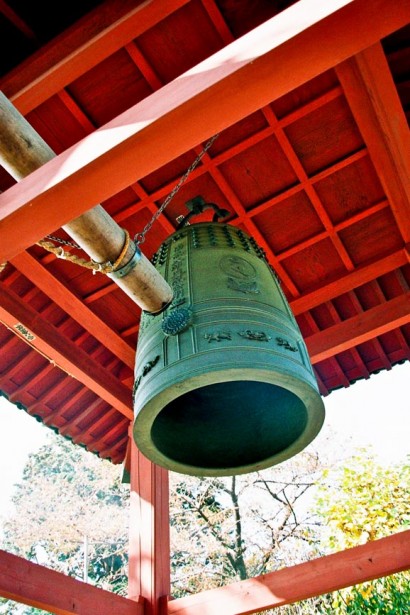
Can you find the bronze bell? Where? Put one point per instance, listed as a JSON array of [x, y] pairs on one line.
[[223, 380]]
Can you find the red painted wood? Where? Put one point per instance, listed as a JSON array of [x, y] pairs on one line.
[[70, 303], [46, 339], [38, 586], [310, 191], [359, 329], [143, 66], [149, 550], [319, 576], [86, 51], [372, 95], [225, 88], [348, 282], [252, 228], [218, 21]]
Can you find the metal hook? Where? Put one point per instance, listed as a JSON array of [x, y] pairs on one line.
[[197, 206]]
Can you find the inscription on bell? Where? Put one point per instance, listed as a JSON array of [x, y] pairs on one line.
[[258, 336], [178, 275], [287, 345], [145, 370], [218, 337], [241, 274]]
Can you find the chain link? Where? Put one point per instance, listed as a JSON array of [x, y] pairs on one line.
[[140, 237], [64, 242]]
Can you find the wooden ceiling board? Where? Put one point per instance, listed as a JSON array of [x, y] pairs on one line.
[[350, 190], [179, 42], [324, 136], [314, 265], [306, 97], [238, 135], [109, 89], [376, 235], [259, 172], [56, 124], [288, 223]]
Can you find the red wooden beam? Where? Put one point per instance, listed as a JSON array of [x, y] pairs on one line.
[[236, 81], [38, 586], [70, 303], [75, 52], [25, 322], [319, 576], [359, 329], [373, 99]]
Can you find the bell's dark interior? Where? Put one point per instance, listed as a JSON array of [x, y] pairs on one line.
[[229, 425]]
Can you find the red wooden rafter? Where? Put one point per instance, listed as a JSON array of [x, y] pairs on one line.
[[372, 95], [358, 329], [215, 87], [72, 305], [63, 352]]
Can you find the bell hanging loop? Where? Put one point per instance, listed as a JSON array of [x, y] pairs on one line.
[[197, 206]]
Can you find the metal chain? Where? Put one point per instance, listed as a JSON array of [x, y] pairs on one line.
[[72, 244], [140, 237]]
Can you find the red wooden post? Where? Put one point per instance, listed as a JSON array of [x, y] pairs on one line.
[[149, 550]]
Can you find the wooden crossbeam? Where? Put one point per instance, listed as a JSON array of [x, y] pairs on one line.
[[359, 329], [41, 335], [373, 99], [236, 81], [319, 576], [38, 586]]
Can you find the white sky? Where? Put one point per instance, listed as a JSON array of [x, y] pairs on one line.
[[373, 412]]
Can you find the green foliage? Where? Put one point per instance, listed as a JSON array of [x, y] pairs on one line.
[[7, 607], [364, 501], [386, 596]]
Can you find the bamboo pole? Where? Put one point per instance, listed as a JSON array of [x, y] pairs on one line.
[[22, 151]]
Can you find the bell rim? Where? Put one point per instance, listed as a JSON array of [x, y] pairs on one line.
[[308, 394]]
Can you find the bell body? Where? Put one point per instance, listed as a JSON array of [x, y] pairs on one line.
[[223, 380]]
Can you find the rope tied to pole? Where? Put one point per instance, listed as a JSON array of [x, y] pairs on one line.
[[108, 267], [105, 268]]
